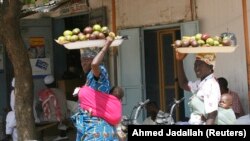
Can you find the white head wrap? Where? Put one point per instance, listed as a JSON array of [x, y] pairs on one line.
[[13, 82]]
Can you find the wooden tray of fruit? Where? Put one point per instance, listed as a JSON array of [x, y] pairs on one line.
[[89, 43], [211, 49], [90, 36], [205, 43]]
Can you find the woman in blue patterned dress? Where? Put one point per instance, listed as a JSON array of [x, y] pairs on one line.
[[91, 127]]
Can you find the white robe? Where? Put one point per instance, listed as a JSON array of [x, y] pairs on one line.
[[11, 119]]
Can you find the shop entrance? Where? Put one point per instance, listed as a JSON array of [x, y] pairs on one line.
[[73, 56], [160, 69]]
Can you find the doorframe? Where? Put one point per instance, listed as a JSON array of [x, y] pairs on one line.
[[162, 86], [184, 30], [163, 99]]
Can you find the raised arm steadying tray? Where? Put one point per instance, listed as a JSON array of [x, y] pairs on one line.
[[92, 43], [212, 49]]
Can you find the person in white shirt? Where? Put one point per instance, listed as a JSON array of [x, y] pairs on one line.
[[11, 130], [204, 102], [54, 105]]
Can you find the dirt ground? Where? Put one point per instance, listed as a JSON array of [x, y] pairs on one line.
[[51, 134]]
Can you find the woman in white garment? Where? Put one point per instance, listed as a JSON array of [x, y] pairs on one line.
[[206, 91]]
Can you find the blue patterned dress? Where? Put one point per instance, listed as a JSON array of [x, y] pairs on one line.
[[91, 128]]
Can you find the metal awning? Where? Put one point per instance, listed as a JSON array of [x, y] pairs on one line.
[[44, 7], [56, 8]]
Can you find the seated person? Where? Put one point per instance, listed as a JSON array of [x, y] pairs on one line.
[[152, 110], [156, 115], [52, 102], [226, 114]]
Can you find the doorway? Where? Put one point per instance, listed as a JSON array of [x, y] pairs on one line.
[[73, 56], [160, 69]]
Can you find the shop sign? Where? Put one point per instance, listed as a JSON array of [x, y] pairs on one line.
[[36, 41], [73, 8], [36, 47], [40, 66]]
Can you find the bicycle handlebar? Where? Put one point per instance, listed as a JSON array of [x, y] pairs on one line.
[[138, 109], [180, 100], [144, 103], [176, 102]]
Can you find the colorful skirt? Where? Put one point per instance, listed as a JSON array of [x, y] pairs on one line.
[[91, 128]]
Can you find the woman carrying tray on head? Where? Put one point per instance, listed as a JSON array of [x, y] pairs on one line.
[[89, 126], [206, 91]]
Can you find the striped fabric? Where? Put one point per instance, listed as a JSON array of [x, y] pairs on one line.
[[46, 97]]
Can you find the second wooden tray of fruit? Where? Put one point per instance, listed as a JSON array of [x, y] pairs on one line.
[[212, 49]]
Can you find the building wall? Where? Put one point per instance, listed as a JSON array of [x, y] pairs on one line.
[[227, 16], [131, 13], [215, 18], [151, 12]]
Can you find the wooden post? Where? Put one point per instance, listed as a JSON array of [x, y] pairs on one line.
[[246, 37], [114, 49]]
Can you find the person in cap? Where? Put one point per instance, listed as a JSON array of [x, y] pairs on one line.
[[54, 105], [90, 125], [206, 90]]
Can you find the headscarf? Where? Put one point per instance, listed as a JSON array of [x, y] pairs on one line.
[[89, 52], [208, 58]]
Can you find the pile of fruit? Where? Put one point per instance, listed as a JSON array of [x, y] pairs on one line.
[[94, 32], [203, 40]]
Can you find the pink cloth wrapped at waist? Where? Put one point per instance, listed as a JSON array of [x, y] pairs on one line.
[[100, 104]]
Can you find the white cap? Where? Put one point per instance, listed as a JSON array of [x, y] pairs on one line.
[[49, 79], [13, 82]]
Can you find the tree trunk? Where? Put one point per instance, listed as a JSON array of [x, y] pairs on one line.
[[11, 38]]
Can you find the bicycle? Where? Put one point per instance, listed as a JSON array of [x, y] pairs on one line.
[[167, 118], [161, 119]]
